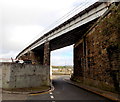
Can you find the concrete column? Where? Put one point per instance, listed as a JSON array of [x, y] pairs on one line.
[[46, 54], [46, 61]]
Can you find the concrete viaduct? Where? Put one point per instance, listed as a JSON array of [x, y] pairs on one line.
[[95, 33], [65, 34]]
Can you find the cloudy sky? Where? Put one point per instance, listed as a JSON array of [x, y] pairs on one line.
[[21, 22]]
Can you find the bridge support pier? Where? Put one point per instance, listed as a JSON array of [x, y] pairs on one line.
[[46, 60], [97, 55], [78, 61]]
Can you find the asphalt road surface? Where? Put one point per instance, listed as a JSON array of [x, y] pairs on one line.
[[65, 92]]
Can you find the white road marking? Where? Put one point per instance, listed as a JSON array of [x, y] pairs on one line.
[[52, 96], [51, 93]]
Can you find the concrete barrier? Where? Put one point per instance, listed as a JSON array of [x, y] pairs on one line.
[[16, 75]]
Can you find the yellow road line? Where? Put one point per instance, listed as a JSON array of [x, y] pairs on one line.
[[43, 92], [39, 93]]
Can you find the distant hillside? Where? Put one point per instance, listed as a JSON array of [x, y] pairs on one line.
[[62, 66]]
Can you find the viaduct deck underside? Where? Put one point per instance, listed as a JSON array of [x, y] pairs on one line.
[[68, 38]]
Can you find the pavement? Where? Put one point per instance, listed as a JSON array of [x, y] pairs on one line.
[[28, 91], [19, 96], [106, 94]]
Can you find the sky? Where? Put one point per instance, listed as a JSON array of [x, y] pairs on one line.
[[23, 21]]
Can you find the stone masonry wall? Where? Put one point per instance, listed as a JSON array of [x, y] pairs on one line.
[[46, 54], [33, 57], [0, 77], [16, 75], [99, 61]]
